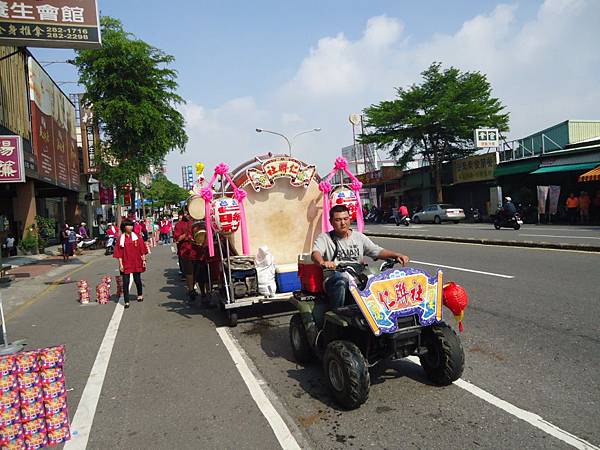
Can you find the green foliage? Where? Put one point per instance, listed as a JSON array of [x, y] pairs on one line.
[[46, 228], [164, 192], [29, 244], [133, 96], [435, 119]]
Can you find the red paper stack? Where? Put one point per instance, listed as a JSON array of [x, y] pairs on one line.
[[33, 399], [119, 279], [102, 294], [84, 291]]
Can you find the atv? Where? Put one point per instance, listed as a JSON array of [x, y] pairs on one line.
[[395, 314]]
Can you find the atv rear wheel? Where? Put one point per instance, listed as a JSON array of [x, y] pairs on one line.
[[347, 374], [445, 359], [300, 346]]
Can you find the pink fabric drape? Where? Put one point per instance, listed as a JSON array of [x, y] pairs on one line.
[[239, 194], [325, 186]]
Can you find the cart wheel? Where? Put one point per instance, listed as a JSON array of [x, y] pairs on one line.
[[232, 318]]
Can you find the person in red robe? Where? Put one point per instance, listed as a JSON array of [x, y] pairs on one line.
[[131, 252]]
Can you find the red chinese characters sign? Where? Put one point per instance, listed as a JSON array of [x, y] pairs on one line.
[[50, 23], [263, 177], [12, 167]]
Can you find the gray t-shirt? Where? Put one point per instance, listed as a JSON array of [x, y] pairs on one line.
[[350, 250]]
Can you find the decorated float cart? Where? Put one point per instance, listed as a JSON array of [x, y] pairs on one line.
[[259, 217]]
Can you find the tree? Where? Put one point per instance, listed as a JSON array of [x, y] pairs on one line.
[[163, 192], [132, 93], [435, 119]]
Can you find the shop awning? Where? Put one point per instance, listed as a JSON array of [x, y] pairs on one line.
[[592, 175], [565, 168], [516, 168]]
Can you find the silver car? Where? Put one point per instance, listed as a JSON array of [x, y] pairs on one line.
[[440, 212]]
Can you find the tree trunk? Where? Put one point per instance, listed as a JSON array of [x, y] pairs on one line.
[[437, 175]]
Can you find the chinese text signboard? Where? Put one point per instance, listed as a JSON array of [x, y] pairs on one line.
[[50, 23], [486, 138], [12, 167], [399, 293], [54, 130], [475, 168], [264, 177]]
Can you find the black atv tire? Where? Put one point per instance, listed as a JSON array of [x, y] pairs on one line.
[[497, 225], [445, 359], [347, 374], [298, 340], [517, 226]]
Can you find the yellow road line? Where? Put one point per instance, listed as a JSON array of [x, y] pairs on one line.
[[47, 290]]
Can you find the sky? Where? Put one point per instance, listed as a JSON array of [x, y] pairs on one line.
[[293, 66]]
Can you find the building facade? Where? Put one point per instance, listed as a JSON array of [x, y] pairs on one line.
[[33, 107]]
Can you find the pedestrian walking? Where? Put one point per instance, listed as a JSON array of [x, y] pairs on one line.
[[572, 205], [177, 232], [102, 232], [584, 207], [131, 252], [165, 230], [72, 240], [64, 242], [194, 259]]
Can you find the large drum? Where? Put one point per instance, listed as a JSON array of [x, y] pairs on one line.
[[195, 205]]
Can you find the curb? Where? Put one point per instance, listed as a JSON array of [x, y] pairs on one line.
[[528, 244]]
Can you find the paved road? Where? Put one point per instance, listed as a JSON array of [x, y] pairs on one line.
[[531, 340], [579, 235]]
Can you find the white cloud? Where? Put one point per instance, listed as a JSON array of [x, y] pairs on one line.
[[544, 70]]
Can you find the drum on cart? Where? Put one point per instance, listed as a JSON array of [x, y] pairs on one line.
[[195, 205]]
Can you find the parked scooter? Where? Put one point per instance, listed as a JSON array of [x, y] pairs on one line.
[[85, 244], [404, 220], [475, 215], [503, 221]]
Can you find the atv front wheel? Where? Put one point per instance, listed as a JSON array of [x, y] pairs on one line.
[[300, 346], [347, 374], [445, 359]]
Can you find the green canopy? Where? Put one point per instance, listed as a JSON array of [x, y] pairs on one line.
[[565, 168], [516, 168]]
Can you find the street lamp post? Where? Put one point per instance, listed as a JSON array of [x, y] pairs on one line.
[[288, 141]]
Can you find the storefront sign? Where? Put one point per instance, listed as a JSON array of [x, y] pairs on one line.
[[279, 167], [50, 23], [475, 168], [12, 166], [53, 127], [399, 293], [486, 138]]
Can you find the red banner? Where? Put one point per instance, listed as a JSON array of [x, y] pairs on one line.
[[12, 168]]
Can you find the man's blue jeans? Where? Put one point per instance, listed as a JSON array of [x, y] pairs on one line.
[[336, 288]]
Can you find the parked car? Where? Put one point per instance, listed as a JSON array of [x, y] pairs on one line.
[[440, 212]]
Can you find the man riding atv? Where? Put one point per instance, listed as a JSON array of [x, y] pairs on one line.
[[345, 246]]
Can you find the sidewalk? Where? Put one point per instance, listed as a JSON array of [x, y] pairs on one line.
[[35, 274], [582, 238]]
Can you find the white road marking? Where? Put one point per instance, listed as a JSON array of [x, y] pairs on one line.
[[84, 416], [462, 269], [529, 417], [278, 425], [555, 236]]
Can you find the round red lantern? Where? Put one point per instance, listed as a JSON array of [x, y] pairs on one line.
[[225, 215], [347, 198], [456, 300]]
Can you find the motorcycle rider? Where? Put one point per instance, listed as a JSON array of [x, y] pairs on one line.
[[403, 213], [343, 245], [508, 209]]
